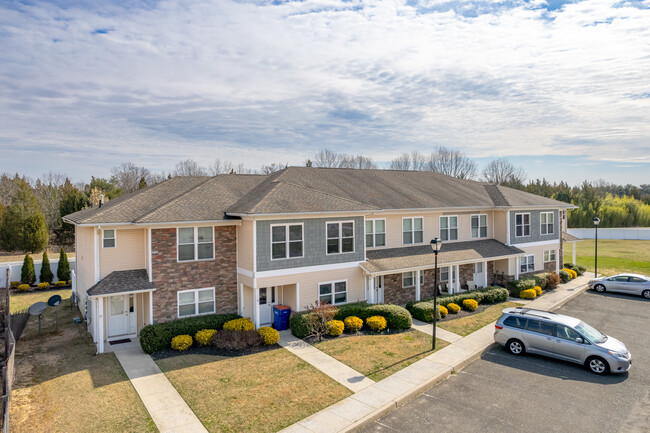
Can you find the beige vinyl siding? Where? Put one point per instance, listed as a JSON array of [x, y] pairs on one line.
[[288, 295], [538, 251], [500, 226], [245, 245], [85, 262], [128, 253], [146, 251], [243, 279], [248, 302]]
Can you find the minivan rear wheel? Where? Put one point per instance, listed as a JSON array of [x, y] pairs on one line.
[[516, 347], [597, 365], [646, 294], [599, 288]]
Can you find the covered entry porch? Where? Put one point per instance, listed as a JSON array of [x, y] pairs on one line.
[[257, 303]]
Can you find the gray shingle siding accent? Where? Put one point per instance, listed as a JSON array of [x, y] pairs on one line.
[[535, 235], [314, 244]]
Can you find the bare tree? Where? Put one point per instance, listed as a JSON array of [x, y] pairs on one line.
[[48, 192], [452, 163], [413, 161], [189, 167], [326, 158], [503, 172], [128, 176], [330, 159], [359, 161], [268, 169], [220, 167]]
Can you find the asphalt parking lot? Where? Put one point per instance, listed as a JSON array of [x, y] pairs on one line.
[[504, 393]]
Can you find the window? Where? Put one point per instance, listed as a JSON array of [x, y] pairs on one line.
[[566, 333], [375, 233], [335, 292], [449, 228], [541, 327], [637, 280], [478, 268], [340, 237], [479, 226], [444, 274], [527, 263], [515, 322], [408, 279], [195, 243], [109, 239], [412, 231], [522, 224], [549, 256], [546, 220], [286, 241], [195, 302], [421, 278]]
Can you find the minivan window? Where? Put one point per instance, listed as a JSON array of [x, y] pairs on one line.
[[541, 327], [566, 333], [515, 322], [590, 332]]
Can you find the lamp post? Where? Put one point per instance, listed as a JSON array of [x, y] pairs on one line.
[[596, 222], [435, 246]]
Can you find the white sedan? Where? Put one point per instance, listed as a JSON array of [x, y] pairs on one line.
[[633, 284]]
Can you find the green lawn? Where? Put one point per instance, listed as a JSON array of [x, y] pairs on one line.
[[20, 301], [379, 356], [468, 324], [614, 256]]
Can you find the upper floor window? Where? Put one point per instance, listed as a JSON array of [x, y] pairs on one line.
[[449, 228], [412, 231], [286, 241], [546, 220], [195, 302], [340, 237], [522, 224], [108, 240], [479, 226], [195, 243], [375, 233], [335, 292], [527, 263]]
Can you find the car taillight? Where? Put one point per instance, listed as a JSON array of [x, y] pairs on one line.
[[498, 327]]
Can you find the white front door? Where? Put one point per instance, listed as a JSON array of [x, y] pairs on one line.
[[478, 274], [121, 315], [379, 290], [268, 298]]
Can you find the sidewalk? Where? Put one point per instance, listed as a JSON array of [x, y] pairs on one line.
[[375, 400]]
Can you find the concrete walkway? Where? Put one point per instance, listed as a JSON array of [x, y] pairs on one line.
[[167, 408], [442, 334], [346, 376]]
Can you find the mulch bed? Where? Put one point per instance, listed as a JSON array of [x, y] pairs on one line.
[[211, 350], [35, 289], [312, 340]]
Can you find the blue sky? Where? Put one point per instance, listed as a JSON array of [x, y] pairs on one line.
[[561, 88]]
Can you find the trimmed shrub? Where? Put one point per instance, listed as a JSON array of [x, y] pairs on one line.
[[43, 286], [23, 287], [239, 325], [15, 284], [204, 336], [376, 323], [352, 323], [60, 283], [453, 308], [488, 295], [299, 325], [336, 327], [517, 286], [236, 340], [470, 304], [46, 275], [541, 279], [573, 274], [396, 316], [442, 311], [528, 294], [158, 337], [269, 335], [423, 311], [538, 290], [63, 271], [580, 269], [553, 281], [564, 276], [181, 342], [27, 275]]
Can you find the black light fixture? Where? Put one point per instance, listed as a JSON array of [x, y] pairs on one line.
[[435, 246], [596, 222]]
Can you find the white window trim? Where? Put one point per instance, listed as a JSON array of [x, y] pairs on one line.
[[414, 275], [449, 228], [413, 230], [286, 225], [527, 256], [196, 302], [479, 226], [542, 224], [523, 225], [347, 291], [374, 232], [448, 273], [547, 253], [196, 245], [114, 238], [354, 233]]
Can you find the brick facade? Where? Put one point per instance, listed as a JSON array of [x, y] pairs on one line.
[[394, 293], [170, 276]]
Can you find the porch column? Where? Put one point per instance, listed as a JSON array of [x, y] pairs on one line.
[[151, 308], [297, 296], [100, 325], [371, 289], [457, 278], [256, 308], [517, 268], [485, 274], [240, 299], [574, 253], [417, 285]]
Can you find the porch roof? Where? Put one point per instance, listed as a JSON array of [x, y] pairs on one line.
[[117, 282], [421, 256], [568, 237]]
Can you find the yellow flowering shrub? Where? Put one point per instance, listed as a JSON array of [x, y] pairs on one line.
[[269, 335], [538, 290], [60, 283], [573, 274], [15, 284], [204, 336], [443, 311], [23, 287], [182, 342], [376, 323], [239, 325], [43, 286], [336, 327], [353, 323], [453, 308], [528, 294], [470, 304]]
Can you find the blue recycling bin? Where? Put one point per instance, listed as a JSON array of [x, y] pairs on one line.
[[281, 315]]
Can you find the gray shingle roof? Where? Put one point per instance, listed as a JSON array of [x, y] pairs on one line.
[[122, 281], [422, 256], [567, 237]]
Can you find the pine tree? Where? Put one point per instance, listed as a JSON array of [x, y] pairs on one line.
[[143, 183], [72, 201], [27, 274], [23, 224], [46, 275], [63, 271]]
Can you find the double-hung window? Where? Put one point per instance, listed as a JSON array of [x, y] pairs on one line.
[[546, 221], [522, 224], [335, 292], [340, 237], [109, 239], [412, 231], [375, 233], [527, 263], [479, 226], [408, 279], [196, 302], [444, 273], [195, 243], [449, 228], [286, 241], [549, 255]]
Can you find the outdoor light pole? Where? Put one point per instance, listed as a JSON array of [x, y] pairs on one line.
[[435, 246], [596, 222]]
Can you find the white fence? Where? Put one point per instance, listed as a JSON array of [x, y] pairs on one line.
[[15, 268], [633, 233]]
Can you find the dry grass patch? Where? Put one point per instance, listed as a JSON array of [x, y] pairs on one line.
[[261, 392], [20, 301], [468, 324], [6, 257], [62, 386], [379, 356], [614, 256]]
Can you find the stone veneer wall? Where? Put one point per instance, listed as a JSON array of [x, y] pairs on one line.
[[549, 266], [394, 293], [170, 276]]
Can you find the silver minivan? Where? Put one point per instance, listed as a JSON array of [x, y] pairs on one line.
[[522, 330]]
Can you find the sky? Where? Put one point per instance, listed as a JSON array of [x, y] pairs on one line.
[[561, 88]]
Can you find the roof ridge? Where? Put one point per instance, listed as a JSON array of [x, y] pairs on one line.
[[498, 189], [328, 194], [175, 198]]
